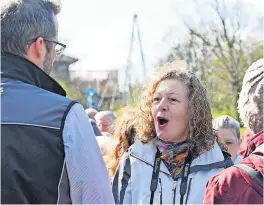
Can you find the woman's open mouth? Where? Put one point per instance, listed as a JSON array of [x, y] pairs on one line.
[[162, 122]]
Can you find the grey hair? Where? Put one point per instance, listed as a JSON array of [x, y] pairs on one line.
[[250, 103], [91, 112], [227, 122], [111, 117], [24, 20]]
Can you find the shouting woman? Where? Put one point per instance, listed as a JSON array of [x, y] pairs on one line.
[[177, 150]]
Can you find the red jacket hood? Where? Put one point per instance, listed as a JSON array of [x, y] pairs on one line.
[[253, 142]]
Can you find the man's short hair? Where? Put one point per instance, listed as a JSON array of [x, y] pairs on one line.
[[24, 20], [227, 122], [250, 103], [109, 115], [91, 112]]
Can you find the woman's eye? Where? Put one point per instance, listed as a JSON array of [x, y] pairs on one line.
[[156, 99], [173, 100], [229, 143]]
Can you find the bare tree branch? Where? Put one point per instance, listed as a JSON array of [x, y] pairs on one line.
[[214, 48], [223, 22]]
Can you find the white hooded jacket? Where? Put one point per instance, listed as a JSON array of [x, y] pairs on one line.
[[132, 181]]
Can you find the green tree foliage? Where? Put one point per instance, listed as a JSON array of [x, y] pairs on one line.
[[135, 93], [73, 93], [223, 90]]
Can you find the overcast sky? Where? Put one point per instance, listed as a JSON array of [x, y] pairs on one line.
[[97, 32]]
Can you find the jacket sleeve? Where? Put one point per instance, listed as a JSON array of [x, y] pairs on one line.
[[88, 177], [233, 186], [122, 181]]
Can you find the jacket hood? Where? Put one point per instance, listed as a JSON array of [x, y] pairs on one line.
[[253, 143], [257, 159], [254, 155]]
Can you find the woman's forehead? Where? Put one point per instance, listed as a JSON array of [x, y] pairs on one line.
[[171, 86]]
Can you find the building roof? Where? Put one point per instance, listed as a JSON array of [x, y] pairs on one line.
[[68, 59]]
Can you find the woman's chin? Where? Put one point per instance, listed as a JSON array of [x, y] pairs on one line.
[[164, 138]]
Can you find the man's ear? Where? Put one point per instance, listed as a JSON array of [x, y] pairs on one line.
[[40, 48], [36, 52]]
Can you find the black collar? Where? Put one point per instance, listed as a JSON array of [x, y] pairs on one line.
[[19, 68]]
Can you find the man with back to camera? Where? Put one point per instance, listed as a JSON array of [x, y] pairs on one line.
[[91, 112], [49, 153]]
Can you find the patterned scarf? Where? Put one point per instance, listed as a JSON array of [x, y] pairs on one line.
[[173, 155]]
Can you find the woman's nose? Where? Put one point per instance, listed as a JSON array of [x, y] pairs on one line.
[[163, 105]]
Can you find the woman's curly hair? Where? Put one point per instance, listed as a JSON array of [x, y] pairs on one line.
[[124, 135], [202, 136]]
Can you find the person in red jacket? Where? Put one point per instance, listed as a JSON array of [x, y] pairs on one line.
[[234, 185], [244, 140]]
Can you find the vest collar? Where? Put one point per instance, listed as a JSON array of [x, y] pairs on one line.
[[21, 69]]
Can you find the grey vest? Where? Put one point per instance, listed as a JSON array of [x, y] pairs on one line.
[[34, 108]]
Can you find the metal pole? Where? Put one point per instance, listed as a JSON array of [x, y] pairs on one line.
[[127, 79], [141, 52]]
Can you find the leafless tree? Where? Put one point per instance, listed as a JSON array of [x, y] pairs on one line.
[[216, 47]]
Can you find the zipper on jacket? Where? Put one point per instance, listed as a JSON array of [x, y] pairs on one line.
[[188, 191], [160, 191], [174, 191]]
